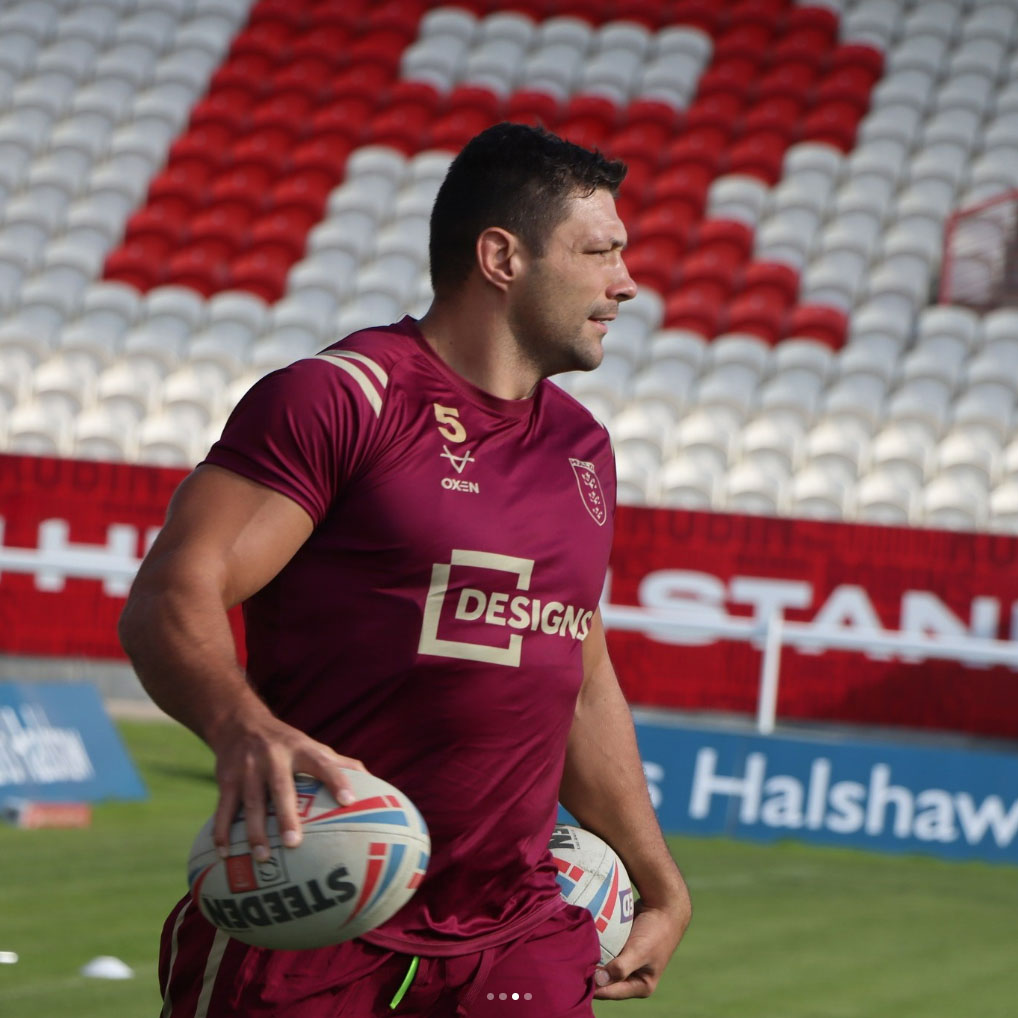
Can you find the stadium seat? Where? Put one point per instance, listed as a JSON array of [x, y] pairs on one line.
[[98, 434], [748, 488], [773, 446], [664, 387], [884, 498], [33, 429], [948, 504], [814, 494], [687, 483]]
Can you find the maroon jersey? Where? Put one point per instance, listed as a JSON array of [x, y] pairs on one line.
[[432, 624]]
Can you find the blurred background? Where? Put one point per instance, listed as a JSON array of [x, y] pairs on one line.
[[812, 400]]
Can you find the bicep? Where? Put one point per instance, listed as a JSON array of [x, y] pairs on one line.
[[225, 530], [598, 673]]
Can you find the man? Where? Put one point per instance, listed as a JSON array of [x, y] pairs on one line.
[[418, 525]]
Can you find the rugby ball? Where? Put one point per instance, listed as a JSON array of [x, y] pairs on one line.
[[355, 867], [592, 876]]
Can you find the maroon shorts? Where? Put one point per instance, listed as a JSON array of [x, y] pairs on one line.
[[546, 973]]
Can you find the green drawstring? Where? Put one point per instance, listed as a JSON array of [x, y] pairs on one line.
[[407, 980]]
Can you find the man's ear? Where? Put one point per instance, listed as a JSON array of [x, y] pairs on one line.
[[499, 256]]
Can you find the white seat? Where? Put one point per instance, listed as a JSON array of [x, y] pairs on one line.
[[898, 288], [985, 413], [610, 383], [995, 21], [776, 448], [815, 494], [163, 442], [789, 403], [129, 62], [959, 128], [834, 281], [999, 327], [647, 306], [111, 307], [208, 32], [192, 397], [370, 196], [737, 197], [74, 55], [901, 453], [968, 458], [884, 498], [993, 368], [340, 241], [552, 68], [15, 383], [679, 345], [704, 437], [814, 165], [871, 23], [969, 91], [33, 429], [915, 249], [779, 241], [917, 413], [840, 451], [909, 87], [627, 337], [1003, 508], [98, 434], [933, 17], [923, 52], [800, 204], [687, 483], [64, 387], [127, 392], [517, 28], [395, 275], [883, 158], [948, 504], [642, 431], [664, 387], [874, 366], [452, 21], [796, 358], [377, 161], [960, 326], [749, 488], [983, 56], [570, 31], [729, 395], [930, 372], [898, 122], [434, 61], [96, 23], [740, 350], [312, 283]]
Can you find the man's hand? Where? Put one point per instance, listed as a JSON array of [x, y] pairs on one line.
[[259, 756], [636, 971]]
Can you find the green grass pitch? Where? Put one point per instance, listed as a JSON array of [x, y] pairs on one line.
[[780, 931]]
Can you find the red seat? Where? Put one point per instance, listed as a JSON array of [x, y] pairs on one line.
[[697, 308], [596, 11], [760, 312], [710, 266], [381, 47], [366, 80], [715, 112], [229, 108], [530, 106], [247, 72], [731, 238], [816, 321], [786, 79], [684, 182], [309, 76], [306, 192], [654, 262], [207, 144], [200, 266], [245, 186], [474, 97], [326, 154], [322, 43], [261, 271], [759, 154], [403, 125], [345, 14], [267, 149], [185, 184], [284, 13], [139, 262], [666, 219], [775, 113], [747, 39], [286, 110], [398, 14], [344, 118], [858, 56], [701, 145], [643, 141], [702, 14], [453, 130], [652, 111], [732, 76], [851, 84], [267, 39], [821, 22], [285, 230], [598, 108], [159, 219], [833, 123], [799, 46], [222, 229], [775, 277]]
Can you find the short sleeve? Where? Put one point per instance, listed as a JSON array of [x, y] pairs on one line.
[[303, 430]]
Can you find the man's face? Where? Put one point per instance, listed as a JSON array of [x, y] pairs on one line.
[[560, 309]]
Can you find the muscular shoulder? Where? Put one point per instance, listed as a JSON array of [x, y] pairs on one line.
[[571, 410]]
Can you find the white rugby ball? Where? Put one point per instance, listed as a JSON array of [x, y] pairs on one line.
[[592, 876], [355, 867]]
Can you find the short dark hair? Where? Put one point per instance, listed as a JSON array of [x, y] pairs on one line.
[[516, 177]]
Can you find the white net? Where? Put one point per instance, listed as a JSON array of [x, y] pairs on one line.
[[980, 266]]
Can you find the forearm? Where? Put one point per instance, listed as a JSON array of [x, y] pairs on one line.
[[603, 786], [178, 637]]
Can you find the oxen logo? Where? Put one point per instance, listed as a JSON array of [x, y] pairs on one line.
[[590, 490]]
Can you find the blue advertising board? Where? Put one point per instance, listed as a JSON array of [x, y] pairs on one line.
[[57, 744], [893, 797]]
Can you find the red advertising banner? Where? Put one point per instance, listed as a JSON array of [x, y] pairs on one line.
[[72, 534], [855, 578]]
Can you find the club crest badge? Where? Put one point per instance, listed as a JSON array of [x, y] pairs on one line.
[[590, 490]]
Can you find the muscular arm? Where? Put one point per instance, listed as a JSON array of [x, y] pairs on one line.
[[604, 788], [225, 537]]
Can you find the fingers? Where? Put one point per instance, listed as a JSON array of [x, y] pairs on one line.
[[625, 989], [226, 810], [284, 799], [254, 815]]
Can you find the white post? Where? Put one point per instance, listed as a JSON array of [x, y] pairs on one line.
[[770, 665]]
